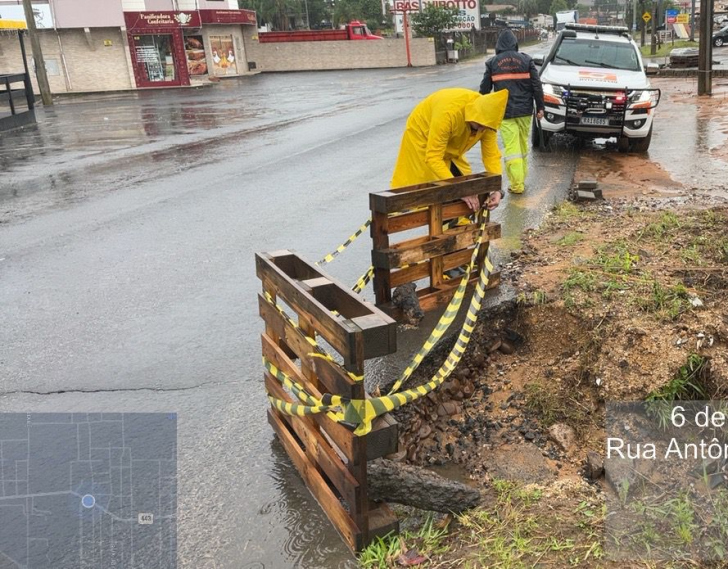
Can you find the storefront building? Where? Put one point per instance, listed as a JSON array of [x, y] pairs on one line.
[[103, 45]]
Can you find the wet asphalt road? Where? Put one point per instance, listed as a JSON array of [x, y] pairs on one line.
[[128, 225]]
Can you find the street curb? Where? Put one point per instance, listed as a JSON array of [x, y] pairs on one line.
[[685, 73]]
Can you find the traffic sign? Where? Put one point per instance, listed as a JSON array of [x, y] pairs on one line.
[[646, 17]]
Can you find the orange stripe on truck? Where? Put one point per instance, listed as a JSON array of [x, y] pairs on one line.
[[507, 76]]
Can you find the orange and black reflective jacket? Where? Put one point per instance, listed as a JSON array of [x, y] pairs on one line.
[[509, 69]]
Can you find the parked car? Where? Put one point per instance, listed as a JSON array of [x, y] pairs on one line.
[[720, 38], [595, 86]]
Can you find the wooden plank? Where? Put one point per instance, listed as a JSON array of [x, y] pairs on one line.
[[420, 271], [292, 339], [380, 240], [415, 250], [408, 221], [325, 497], [383, 438], [379, 339], [337, 331], [335, 381], [341, 436], [435, 227], [432, 298], [317, 448], [402, 199]]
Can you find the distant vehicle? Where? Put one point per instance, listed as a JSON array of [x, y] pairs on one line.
[[354, 30], [595, 86], [566, 17], [720, 19], [720, 38]]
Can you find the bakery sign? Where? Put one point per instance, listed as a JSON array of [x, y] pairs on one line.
[[137, 21], [228, 17]]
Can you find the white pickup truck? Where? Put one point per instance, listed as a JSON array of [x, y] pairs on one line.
[[595, 86]]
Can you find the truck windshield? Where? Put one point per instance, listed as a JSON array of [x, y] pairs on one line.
[[593, 53]]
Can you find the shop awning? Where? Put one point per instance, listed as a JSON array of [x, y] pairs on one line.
[[13, 25]]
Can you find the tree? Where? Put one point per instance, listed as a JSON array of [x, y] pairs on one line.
[[369, 11], [528, 8], [433, 20], [558, 6]]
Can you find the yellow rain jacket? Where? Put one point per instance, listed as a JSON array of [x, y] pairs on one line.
[[437, 134]]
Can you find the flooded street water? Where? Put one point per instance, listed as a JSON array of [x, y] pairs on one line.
[[128, 225]]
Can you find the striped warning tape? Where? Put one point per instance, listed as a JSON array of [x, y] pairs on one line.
[[448, 315], [363, 280], [318, 351], [341, 248], [361, 412]]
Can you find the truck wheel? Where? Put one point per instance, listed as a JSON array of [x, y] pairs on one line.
[[642, 144], [535, 138]]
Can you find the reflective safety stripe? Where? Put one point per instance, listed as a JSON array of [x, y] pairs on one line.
[[507, 76], [513, 157]]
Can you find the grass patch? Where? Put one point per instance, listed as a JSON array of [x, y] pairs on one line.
[[570, 239], [568, 211], [691, 383], [385, 552], [666, 48]]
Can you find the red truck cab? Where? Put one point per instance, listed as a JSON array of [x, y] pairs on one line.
[[358, 31], [354, 30]]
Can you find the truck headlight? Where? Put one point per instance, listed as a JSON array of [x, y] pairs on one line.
[[553, 94], [644, 99]]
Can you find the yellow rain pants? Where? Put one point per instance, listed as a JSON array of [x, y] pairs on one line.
[[515, 133]]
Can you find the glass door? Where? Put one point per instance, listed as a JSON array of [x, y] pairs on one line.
[[155, 58]]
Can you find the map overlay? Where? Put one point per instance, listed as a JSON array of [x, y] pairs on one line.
[[88, 490]]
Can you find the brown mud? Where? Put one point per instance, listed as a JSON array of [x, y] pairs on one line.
[[613, 297]]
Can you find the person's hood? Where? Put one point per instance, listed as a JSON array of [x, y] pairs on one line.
[[488, 110], [507, 41]]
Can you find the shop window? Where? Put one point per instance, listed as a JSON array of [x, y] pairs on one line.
[[195, 52], [223, 55], [154, 54]]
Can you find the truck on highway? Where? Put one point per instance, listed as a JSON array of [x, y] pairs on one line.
[[565, 17], [595, 86], [352, 31]]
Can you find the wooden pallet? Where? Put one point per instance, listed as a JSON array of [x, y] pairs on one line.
[[427, 256], [331, 460]]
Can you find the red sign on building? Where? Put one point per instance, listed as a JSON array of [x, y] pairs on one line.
[[228, 17], [139, 21]]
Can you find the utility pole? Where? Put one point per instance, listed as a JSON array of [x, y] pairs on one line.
[[705, 49], [692, 21], [642, 24], [40, 68]]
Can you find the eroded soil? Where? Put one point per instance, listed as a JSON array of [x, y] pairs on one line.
[[614, 297]]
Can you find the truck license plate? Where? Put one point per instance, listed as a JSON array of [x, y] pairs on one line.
[[595, 121]]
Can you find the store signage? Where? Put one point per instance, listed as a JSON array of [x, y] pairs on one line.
[[151, 20], [228, 17], [683, 19], [468, 11]]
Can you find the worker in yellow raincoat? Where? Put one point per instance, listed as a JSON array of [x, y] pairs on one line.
[[441, 129]]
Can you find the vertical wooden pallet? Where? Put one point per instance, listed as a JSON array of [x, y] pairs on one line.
[[331, 460], [427, 206]]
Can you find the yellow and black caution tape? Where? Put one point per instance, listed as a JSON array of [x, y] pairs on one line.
[[363, 280], [451, 311], [341, 248], [318, 351], [361, 412]]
